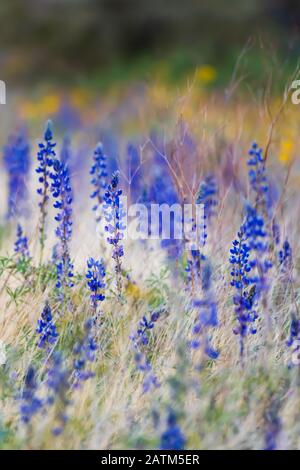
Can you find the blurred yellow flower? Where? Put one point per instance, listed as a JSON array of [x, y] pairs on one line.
[[79, 97], [206, 73], [286, 151], [49, 104]]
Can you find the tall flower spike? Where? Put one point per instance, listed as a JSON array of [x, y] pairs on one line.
[[140, 341], [207, 195], [257, 175], [17, 163], [206, 317], [244, 299], [95, 276], [21, 245], [62, 193], [114, 213], [172, 438], [99, 179], [45, 161], [46, 329], [84, 351], [58, 383], [31, 404]]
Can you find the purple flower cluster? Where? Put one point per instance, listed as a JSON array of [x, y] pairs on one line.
[[62, 193], [84, 352], [31, 404], [21, 245], [95, 276], [46, 329], [99, 179], [17, 163], [140, 341], [114, 213], [45, 158], [172, 438]]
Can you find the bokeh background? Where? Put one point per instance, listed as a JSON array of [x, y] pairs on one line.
[[103, 41]]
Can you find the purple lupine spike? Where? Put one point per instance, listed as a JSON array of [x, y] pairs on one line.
[[62, 193], [45, 158]]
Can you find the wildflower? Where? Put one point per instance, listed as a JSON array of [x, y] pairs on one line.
[[99, 179], [30, 402], [114, 214], [62, 193], [45, 159], [84, 351], [257, 172], [95, 280], [256, 234], [273, 426], [17, 164], [21, 245], [293, 341], [207, 195], [46, 329], [244, 298], [206, 316], [58, 388], [140, 341], [172, 438], [285, 257]]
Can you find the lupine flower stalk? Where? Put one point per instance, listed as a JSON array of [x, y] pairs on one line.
[[99, 180], [95, 276], [45, 158], [62, 193], [244, 298], [46, 329], [114, 213], [21, 245], [58, 383], [31, 404], [172, 438], [17, 163], [206, 318], [140, 342], [84, 352]]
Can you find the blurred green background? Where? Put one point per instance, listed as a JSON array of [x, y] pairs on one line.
[[68, 41]]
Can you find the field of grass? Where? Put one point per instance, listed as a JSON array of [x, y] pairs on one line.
[[149, 345]]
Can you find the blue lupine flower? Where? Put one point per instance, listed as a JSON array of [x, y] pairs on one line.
[[140, 341], [207, 316], [58, 383], [273, 426], [114, 213], [294, 331], [17, 163], [62, 193], [31, 404], [244, 299], [95, 276], [257, 239], [99, 179], [21, 245], [207, 195], [45, 158], [285, 257], [172, 438], [46, 329], [257, 172], [293, 341], [84, 351]]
